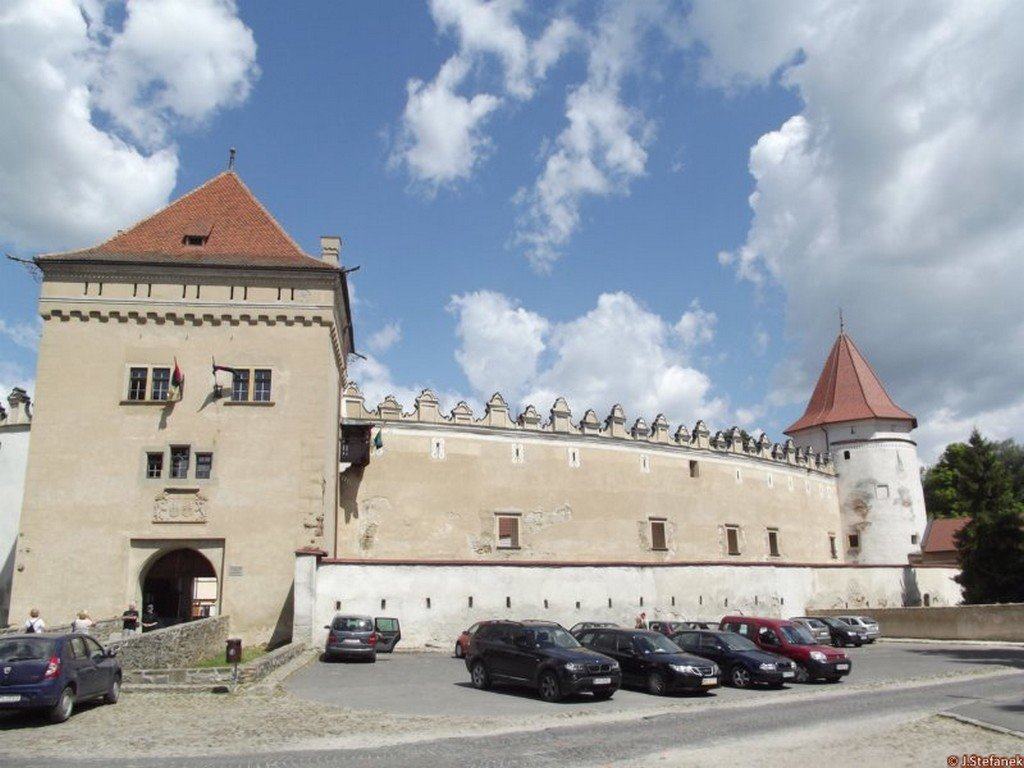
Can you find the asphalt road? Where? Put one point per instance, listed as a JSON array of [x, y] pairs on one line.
[[434, 684]]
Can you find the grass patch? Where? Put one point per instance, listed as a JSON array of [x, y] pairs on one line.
[[249, 652]]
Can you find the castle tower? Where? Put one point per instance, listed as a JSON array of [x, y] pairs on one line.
[[879, 482]]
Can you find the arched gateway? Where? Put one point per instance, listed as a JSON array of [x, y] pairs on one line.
[[181, 585]]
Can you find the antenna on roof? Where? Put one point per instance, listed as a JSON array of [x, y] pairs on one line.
[[231, 159], [842, 325]]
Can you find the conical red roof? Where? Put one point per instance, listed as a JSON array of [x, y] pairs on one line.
[[220, 223], [847, 390]]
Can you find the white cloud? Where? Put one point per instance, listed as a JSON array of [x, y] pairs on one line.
[[64, 171], [696, 326], [13, 375], [761, 340], [386, 337], [896, 192], [617, 352], [22, 334], [376, 382]]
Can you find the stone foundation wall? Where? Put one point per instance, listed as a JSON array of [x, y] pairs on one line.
[[249, 672], [961, 622], [174, 647], [103, 630]]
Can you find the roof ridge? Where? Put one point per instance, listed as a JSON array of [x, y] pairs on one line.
[[263, 208]]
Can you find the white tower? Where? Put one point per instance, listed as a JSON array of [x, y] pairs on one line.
[[879, 475]]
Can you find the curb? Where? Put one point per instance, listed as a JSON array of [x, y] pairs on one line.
[[982, 724], [943, 641]]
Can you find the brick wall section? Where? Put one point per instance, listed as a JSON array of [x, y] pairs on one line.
[[249, 672], [961, 622], [177, 646]]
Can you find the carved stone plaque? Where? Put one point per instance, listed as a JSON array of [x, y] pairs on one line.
[[179, 505]]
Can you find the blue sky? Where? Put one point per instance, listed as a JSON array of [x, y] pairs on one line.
[[319, 104]]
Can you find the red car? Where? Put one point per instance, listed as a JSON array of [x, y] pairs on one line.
[[462, 644], [813, 661]]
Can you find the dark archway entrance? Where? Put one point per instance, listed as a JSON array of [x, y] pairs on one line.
[[170, 585]]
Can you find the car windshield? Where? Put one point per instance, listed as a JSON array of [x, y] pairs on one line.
[[736, 642], [551, 637], [387, 625], [26, 649], [655, 644], [352, 624], [797, 635]]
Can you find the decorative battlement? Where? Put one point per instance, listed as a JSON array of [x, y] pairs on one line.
[[19, 409], [496, 415]]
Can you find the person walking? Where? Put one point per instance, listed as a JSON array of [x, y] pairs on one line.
[[82, 624], [130, 620], [34, 624], [641, 621], [149, 619]]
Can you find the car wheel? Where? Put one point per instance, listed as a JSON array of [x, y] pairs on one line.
[[656, 684], [548, 687], [479, 675], [603, 695], [114, 693], [802, 675], [458, 651], [739, 676], [837, 643], [61, 711]]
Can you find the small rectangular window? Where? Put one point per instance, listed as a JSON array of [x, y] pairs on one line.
[[773, 542], [508, 532], [846, 455], [645, 463], [204, 465], [694, 468], [518, 455], [854, 540], [261, 386], [913, 538], [154, 465], [437, 448], [658, 541], [881, 491], [137, 384], [832, 546], [574, 457], [240, 385], [771, 481], [161, 383], [732, 539], [180, 455]]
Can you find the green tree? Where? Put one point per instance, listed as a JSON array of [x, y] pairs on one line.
[[941, 493], [991, 546]]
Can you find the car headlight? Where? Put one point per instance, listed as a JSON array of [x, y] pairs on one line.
[[819, 656], [685, 669], [614, 666], [766, 667], [575, 666]]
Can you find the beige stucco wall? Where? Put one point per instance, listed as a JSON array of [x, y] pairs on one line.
[[408, 504], [88, 529], [961, 622]]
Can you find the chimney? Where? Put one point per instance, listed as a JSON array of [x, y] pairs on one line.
[[20, 407], [330, 250]]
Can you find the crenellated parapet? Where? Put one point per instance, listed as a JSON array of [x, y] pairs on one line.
[[497, 416]]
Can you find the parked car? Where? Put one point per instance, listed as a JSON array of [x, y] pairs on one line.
[[865, 623], [700, 624], [351, 637], [819, 629], [813, 661], [667, 628], [462, 642], [53, 673], [542, 656], [742, 663], [650, 660], [577, 628], [841, 635], [389, 632]]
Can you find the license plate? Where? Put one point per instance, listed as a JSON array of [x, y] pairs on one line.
[[709, 681], [841, 667], [9, 699], [789, 674], [353, 641], [602, 681]]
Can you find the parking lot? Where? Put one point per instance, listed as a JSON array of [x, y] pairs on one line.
[[433, 684]]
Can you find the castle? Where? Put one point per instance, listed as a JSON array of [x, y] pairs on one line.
[[197, 445]]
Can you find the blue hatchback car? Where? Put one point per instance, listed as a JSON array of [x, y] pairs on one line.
[[52, 673]]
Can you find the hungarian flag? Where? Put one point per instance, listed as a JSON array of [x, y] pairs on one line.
[[177, 382]]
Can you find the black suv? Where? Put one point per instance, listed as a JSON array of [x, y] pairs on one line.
[[742, 662], [843, 634], [651, 660], [539, 655]]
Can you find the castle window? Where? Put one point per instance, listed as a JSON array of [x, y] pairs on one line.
[[773, 542], [154, 465], [518, 455], [694, 468], [645, 463], [240, 385], [355, 445], [137, 383], [881, 491], [732, 539], [261, 385], [832, 546], [913, 538], [846, 455], [508, 531], [658, 539], [204, 465], [437, 448], [161, 383], [739, 477], [854, 541], [574, 457], [771, 481], [180, 456]]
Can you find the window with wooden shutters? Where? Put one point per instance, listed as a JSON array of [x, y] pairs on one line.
[[732, 539], [773, 542], [508, 532], [658, 540]]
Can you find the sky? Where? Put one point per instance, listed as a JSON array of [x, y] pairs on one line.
[[658, 204]]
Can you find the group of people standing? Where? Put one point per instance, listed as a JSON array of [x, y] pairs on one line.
[[131, 622]]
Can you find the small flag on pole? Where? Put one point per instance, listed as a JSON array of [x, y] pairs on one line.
[[378, 439], [177, 382]]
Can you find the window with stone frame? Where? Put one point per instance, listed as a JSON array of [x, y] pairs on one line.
[[773, 542], [659, 540], [137, 378], [180, 459], [240, 385], [204, 465], [261, 385], [732, 539], [161, 383], [508, 531], [154, 464]]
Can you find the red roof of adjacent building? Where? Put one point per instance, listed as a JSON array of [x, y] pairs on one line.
[[940, 534], [847, 390], [233, 227]]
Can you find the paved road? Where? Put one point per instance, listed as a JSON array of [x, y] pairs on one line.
[[589, 744], [434, 684]]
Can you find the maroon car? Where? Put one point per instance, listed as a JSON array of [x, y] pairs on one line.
[[813, 661]]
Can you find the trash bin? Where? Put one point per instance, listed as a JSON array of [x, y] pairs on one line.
[[233, 651]]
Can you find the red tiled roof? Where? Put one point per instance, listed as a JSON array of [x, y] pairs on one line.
[[940, 535], [848, 389], [238, 231]]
